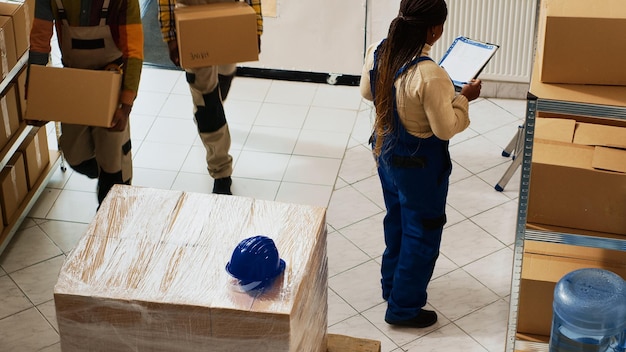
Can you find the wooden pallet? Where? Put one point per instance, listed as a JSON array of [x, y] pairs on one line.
[[342, 343]]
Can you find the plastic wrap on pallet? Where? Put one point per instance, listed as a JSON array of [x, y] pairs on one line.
[[149, 275]]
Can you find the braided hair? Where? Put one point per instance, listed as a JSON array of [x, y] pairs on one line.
[[405, 40]]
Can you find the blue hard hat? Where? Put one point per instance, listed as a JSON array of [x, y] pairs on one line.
[[255, 262]]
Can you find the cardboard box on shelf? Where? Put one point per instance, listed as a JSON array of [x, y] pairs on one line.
[[149, 274], [29, 10], [570, 53], [13, 187], [579, 185], [9, 117], [577, 93], [229, 34], [19, 13], [36, 154], [83, 97], [7, 45], [543, 265]]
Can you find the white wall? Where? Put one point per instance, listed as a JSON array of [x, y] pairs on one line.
[[379, 16], [509, 23], [330, 36], [314, 36]]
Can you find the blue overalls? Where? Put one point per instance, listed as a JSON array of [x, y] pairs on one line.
[[414, 174]]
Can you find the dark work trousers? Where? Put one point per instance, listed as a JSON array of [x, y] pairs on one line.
[[414, 174], [415, 188], [98, 153]]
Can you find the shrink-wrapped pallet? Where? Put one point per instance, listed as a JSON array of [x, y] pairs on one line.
[[149, 275]]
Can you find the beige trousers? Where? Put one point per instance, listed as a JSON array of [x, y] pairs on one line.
[[80, 143], [216, 143]]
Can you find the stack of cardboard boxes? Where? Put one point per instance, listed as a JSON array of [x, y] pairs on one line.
[[578, 172], [23, 150]]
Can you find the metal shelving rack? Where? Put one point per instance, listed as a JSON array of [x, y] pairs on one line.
[[534, 105], [56, 159]]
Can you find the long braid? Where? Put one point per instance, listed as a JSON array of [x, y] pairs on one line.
[[405, 41]]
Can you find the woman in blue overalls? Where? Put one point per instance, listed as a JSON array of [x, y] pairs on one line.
[[417, 112]]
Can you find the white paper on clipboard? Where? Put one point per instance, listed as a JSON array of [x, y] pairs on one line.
[[466, 58]]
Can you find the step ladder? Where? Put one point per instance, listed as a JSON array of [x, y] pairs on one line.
[[513, 150]]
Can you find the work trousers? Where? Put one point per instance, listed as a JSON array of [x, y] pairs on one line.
[[98, 152], [415, 189], [210, 118]]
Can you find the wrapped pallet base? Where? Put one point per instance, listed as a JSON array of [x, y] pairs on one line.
[[149, 275]]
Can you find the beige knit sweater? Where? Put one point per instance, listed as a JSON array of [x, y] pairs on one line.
[[429, 104]]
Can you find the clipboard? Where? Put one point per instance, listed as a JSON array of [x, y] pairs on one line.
[[466, 58]]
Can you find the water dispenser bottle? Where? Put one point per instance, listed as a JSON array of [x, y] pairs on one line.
[[589, 312]]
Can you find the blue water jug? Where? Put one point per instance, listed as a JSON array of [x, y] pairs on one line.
[[589, 312]]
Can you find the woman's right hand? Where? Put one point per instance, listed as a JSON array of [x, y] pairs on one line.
[[472, 90]]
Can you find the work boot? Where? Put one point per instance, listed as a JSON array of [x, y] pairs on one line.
[[222, 185], [88, 168], [424, 319], [106, 181]]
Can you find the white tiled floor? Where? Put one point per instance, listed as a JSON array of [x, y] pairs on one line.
[[301, 143]]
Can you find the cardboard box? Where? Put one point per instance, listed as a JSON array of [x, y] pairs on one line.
[[21, 24], [567, 190], [215, 34], [13, 187], [577, 93], [7, 45], [149, 275], [543, 265], [29, 10], [572, 53], [82, 97], [36, 154], [9, 116]]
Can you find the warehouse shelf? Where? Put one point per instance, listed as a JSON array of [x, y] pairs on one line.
[[9, 150], [556, 99]]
